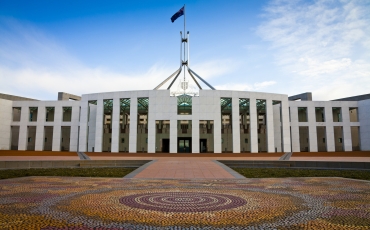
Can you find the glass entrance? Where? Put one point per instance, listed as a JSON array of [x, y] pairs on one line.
[[184, 145]]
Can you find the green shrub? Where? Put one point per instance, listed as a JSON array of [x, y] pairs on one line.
[[281, 172], [71, 172]]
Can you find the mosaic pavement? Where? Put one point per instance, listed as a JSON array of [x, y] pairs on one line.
[[100, 203]]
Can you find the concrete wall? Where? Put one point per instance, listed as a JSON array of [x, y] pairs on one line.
[[5, 123], [41, 122], [86, 131], [332, 134], [364, 118], [206, 106]]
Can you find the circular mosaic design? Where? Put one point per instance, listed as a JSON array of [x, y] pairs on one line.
[[182, 201]]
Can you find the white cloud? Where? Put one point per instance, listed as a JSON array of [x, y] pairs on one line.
[[246, 87], [215, 68], [324, 44], [33, 64]]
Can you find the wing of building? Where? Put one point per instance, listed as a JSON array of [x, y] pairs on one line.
[[212, 121]]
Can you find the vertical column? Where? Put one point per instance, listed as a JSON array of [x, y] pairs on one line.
[[277, 127], [99, 126], [253, 125], [39, 143], [270, 126], [74, 127], [296, 147], [195, 135], [115, 125], [312, 131], [195, 126], [285, 125], [330, 144], [217, 147], [82, 142], [57, 130], [173, 135], [151, 128], [6, 118], [346, 129], [133, 125], [235, 125], [23, 129]]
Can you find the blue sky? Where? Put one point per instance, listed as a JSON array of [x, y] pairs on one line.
[[277, 46]]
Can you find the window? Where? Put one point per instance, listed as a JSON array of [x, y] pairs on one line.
[[16, 113], [67, 113], [184, 104], [246, 141], [319, 112], [353, 114], [302, 114], [337, 114], [340, 140], [50, 111], [29, 139], [323, 140], [122, 140], [33, 113]]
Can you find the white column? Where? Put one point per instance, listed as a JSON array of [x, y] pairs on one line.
[[296, 147], [39, 142], [253, 124], [115, 125], [235, 125], [6, 112], [277, 127], [330, 144], [312, 131], [23, 128], [74, 128], [57, 130], [99, 126], [285, 125], [133, 125], [195, 135], [91, 127], [173, 135], [151, 133], [347, 137], [217, 137], [270, 126], [82, 142]]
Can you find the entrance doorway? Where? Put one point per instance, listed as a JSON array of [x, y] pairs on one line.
[[203, 146], [184, 145], [165, 145]]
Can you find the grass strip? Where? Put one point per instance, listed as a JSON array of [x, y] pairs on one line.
[[70, 172], [280, 172]]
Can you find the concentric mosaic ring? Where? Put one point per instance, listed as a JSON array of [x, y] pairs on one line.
[[182, 201]]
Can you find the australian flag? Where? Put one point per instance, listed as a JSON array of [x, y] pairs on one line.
[[178, 14]]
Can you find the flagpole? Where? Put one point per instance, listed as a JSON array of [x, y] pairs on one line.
[[184, 38], [184, 20]]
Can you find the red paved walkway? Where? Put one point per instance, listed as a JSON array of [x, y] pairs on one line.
[[184, 168]]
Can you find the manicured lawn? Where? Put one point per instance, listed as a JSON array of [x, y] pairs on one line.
[[71, 172], [278, 172]]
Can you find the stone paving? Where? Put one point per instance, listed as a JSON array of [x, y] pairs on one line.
[[114, 203], [175, 168]]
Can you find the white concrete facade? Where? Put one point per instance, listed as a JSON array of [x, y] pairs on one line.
[[282, 122]]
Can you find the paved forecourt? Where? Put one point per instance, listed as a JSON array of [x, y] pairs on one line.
[[57, 203]]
